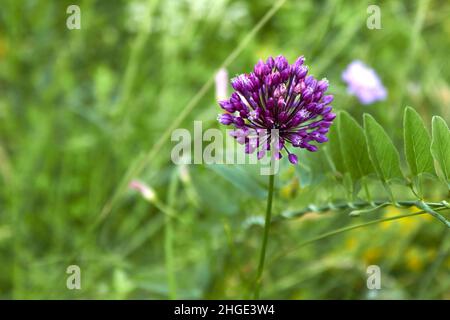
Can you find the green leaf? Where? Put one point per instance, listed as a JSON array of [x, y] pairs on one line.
[[313, 168], [417, 144], [353, 147], [240, 178], [440, 148], [334, 149], [382, 152]]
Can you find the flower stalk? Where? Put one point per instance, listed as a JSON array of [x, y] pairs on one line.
[[265, 236]]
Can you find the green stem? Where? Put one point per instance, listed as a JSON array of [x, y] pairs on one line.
[[424, 206], [168, 237], [366, 189], [169, 217], [389, 191], [265, 237], [168, 252], [348, 205], [346, 229]]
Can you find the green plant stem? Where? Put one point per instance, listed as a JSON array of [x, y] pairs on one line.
[[168, 252], [168, 237], [346, 229], [349, 205], [425, 207], [366, 190], [265, 237]]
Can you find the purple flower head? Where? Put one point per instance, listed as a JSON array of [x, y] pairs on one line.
[[364, 83], [281, 97]]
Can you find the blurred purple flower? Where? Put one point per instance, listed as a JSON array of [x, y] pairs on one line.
[[278, 96], [364, 83], [221, 84]]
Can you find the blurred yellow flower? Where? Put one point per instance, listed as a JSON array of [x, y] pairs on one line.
[[289, 190], [414, 260], [351, 243], [405, 224], [447, 263], [372, 255]]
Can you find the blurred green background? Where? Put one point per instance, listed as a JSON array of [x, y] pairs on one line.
[[84, 111]]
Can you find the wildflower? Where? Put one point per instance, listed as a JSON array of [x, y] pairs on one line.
[[146, 192], [221, 84], [364, 83], [280, 96]]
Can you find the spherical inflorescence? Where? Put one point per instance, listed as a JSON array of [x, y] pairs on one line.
[[282, 98]]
